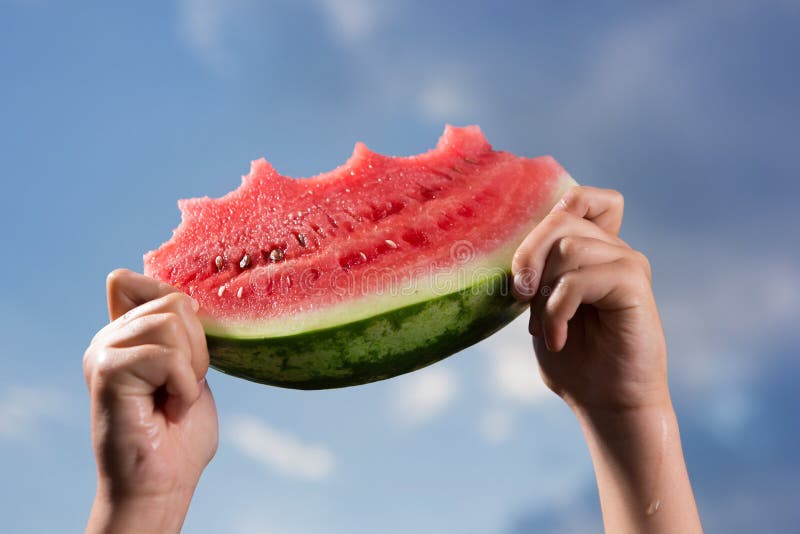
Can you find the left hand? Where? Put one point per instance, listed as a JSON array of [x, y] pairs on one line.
[[598, 337]]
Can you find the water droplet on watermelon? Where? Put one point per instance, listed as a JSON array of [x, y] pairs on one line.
[[351, 260], [275, 255]]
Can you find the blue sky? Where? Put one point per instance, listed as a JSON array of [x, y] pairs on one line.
[[110, 112]]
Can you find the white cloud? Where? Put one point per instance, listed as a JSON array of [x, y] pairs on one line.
[[352, 21], [23, 408], [202, 27], [444, 98], [513, 379], [513, 371], [422, 396], [279, 450]]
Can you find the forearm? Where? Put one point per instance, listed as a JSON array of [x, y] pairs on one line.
[[641, 474]]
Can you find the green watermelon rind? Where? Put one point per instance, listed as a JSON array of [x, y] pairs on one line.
[[379, 347]]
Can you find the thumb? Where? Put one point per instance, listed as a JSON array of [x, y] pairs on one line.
[[126, 290]]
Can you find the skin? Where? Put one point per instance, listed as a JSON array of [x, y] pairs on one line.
[[596, 334], [154, 422], [600, 346]]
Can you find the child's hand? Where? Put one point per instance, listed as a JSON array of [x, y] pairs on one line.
[[600, 346], [598, 337], [154, 422]]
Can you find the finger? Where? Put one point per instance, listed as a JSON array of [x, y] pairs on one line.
[[573, 252], [534, 323], [568, 254], [126, 290], [604, 207], [205, 428], [185, 308], [618, 285], [166, 329], [529, 259], [144, 371]]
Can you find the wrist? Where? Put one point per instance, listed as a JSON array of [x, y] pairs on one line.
[[623, 413], [630, 426], [624, 404], [113, 513]]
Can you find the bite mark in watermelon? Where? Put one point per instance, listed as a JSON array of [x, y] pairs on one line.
[[377, 268]]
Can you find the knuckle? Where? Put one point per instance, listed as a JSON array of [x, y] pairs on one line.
[[168, 324], [617, 198], [177, 301], [636, 278], [566, 247], [558, 218], [572, 197], [644, 263], [88, 362], [630, 262], [106, 365], [637, 263]]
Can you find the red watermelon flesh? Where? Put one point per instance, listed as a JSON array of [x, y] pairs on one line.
[[284, 246], [379, 267]]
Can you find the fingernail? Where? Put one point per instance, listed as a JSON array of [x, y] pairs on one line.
[[195, 304], [522, 286]]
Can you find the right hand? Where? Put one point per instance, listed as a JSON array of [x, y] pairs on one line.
[[154, 421]]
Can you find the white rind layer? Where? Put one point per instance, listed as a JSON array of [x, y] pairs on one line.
[[423, 288]]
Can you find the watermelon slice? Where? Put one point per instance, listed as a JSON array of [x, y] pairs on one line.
[[379, 267]]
